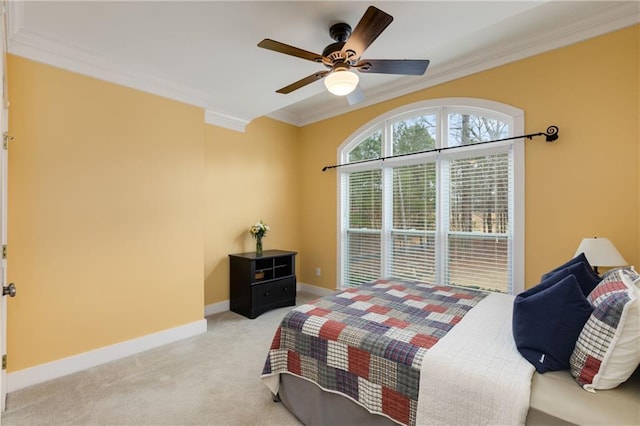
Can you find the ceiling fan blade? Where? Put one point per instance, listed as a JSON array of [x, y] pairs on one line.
[[356, 96], [276, 46], [303, 82], [371, 25], [393, 66]]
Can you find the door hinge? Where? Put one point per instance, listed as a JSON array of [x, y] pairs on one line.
[[4, 362], [4, 251], [6, 138]]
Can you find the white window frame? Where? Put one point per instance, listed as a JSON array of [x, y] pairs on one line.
[[506, 113]]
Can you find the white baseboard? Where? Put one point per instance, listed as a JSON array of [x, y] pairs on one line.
[[216, 308], [51, 370], [62, 367], [315, 290]]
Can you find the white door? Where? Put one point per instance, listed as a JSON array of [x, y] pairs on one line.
[[3, 239], [3, 261], [4, 115]]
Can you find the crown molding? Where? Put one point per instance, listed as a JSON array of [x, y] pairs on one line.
[[15, 16], [41, 49], [224, 120], [32, 46], [285, 117]]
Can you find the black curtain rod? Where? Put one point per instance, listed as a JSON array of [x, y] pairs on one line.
[[550, 135]]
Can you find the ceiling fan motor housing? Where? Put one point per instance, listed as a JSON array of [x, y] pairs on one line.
[[340, 32], [333, 51]]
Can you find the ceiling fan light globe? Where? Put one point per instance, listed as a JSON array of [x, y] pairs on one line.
[[341, 83]]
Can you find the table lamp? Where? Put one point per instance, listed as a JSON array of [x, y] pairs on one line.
[[600, 252]]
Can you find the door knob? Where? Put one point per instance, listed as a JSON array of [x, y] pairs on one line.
[[9, 290]]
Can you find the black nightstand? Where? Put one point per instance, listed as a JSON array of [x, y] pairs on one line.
[[260, 283]]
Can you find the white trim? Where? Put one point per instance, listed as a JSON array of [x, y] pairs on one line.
[[224, 120], [41, 49], [285, 116], [340, 218], [216, 308], [51, 52], [15, 13], [314, 289], [486, 105], [4, 154], [500, 111], [519, 189], [37, 48], [73, 364]]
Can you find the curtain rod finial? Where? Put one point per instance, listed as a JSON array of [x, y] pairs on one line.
[[552, 133]]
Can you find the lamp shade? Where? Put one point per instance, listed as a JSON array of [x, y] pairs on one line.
[[600, 252], [341, 82]]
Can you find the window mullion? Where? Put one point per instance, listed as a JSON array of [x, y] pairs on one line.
[[343, 224], [442, 225], [387, 201], [442, 201], [510, 222], [387, 219]]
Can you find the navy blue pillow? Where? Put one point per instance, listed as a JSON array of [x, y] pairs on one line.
[[547, 320], [583, 273], [579, 258]]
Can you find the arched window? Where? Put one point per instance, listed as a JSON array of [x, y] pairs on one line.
[[454, 216]]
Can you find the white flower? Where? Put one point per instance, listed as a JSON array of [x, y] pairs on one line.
[[259, 230]]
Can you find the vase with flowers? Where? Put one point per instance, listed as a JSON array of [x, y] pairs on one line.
[[259, 231]]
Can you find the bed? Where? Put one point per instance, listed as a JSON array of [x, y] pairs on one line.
[[402, 352]]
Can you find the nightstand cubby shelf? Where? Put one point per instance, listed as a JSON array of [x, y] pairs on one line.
[[260, 283]]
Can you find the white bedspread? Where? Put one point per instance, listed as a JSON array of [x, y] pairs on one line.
[[475, 375]]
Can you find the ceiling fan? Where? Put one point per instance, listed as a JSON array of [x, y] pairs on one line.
[[343, 55]]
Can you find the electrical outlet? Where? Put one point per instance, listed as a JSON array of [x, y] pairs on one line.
[[318, 272]]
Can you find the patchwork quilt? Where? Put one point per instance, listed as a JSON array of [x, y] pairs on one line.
[[368, 343]]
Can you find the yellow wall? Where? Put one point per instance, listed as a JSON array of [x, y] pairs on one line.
[[123, 206], [585, 184], [105, 214], [249, 176]]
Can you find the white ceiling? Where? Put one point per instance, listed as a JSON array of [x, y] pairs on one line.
[[204, 52]]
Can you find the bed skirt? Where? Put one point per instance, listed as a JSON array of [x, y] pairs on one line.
[[556, 400], [313, 406]]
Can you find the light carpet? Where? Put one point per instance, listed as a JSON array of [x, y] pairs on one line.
[[209, 379]]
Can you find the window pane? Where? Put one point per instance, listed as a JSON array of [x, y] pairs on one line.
[[363, 253], [363, 247], [478, 261], [479, 194], [414, 197], [477, 254], [414, 134], [368, 149], [414, 213], [465, 129], [365, 199], [413, 256]]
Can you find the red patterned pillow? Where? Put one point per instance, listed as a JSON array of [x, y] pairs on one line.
[[606, 352]]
